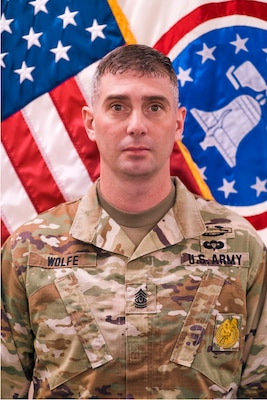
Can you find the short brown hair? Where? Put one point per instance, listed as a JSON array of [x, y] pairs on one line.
[[142, 59]]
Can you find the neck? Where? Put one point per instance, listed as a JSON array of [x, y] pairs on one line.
[[135, 195]]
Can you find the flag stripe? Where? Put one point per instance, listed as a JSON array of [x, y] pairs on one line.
[[4, 230], [33, 174], [55, 146], [13, 195], [203, 14], [69, 101], [84, 80], [258, 208], [258, 221]]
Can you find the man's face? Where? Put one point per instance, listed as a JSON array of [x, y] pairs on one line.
[[135, 122]]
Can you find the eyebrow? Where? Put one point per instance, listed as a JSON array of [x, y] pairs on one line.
[[123, 97]]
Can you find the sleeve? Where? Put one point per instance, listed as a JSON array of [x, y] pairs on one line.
[[17, 351], [254, 377]]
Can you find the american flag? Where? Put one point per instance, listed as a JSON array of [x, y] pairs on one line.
[[49, 51]]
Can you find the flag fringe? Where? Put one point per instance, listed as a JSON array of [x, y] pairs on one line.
[[122, 22]]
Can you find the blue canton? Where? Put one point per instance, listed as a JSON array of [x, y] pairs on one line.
[[46, 42]]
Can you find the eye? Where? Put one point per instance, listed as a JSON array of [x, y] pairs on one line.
[[155, 107], [117, 107]]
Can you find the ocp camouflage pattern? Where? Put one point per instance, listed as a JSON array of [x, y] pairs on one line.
[[86, 315]]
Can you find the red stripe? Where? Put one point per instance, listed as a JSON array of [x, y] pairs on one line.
[[205, 13], [180, 168], [69, 101], [258, 221], [29, 164]]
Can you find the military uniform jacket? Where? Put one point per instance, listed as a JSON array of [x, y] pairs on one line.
[[88, 315]]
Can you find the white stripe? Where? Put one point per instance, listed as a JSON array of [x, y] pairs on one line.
[[84, 81], [150, 19], [253, 211], [212, 24], [250, 210], [16, 206], [56, 147]]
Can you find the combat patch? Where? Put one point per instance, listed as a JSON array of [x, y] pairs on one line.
[[61, 261], [216, 259]]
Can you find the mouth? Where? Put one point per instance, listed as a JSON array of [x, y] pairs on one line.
[[136, 149]]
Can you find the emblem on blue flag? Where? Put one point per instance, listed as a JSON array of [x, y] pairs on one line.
[[223, 84]]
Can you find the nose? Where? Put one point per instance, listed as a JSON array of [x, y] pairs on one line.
[[136, 124]]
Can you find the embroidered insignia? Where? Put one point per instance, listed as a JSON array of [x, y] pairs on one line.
[[140, 299], [214, 244], [227, 334], [217, 230]]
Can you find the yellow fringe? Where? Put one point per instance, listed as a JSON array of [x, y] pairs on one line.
[[122, 22]]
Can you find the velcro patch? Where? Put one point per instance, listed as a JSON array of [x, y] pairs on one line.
[[141, 298], [227, 332], [62, 261], [216, 259]]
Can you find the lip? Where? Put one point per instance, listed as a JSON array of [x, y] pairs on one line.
[[136, 149]]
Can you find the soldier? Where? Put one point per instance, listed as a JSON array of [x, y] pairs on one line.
[[141, 289]]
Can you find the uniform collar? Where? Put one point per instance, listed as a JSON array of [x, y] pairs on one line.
[[93, 225]]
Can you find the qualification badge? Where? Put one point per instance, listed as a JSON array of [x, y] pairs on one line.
[[227, 333]]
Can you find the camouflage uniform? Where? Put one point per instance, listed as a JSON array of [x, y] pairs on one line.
[[87, 315]]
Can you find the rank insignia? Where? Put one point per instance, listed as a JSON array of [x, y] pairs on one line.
[[140, 299]]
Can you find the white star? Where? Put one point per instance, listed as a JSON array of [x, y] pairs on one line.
[[259, 186], [2, 64], [227, 188], [61, 51], [265, 51], [206, 53], [183, 75], [239, 44], [68, 17], [202, 173], [32, 39], [24, 72], [96, 30], [39, 5], [5, 24]]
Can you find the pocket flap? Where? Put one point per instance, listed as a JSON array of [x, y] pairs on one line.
[[197, 319], [83, 320]]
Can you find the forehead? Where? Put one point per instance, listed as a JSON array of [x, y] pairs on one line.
[[133, 83]]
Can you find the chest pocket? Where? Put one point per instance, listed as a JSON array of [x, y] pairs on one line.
[[210, 340], [68, 339], [197, 320]]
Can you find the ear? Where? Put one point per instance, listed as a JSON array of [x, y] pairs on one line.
[[88, 120], [181, 114]]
